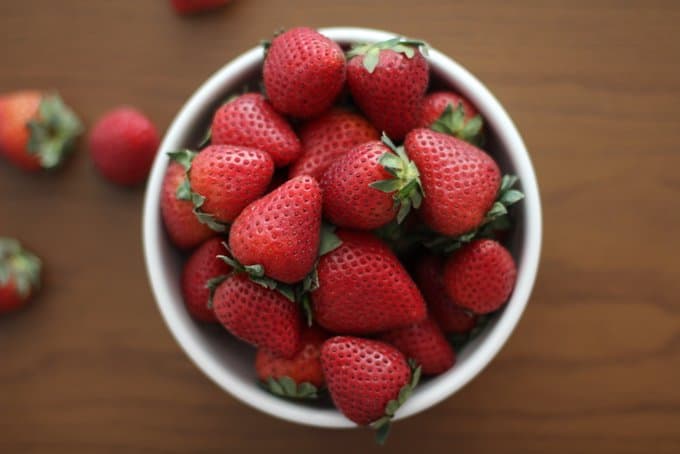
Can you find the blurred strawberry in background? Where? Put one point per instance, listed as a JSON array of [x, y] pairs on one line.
[[20, 272], [196, 6]]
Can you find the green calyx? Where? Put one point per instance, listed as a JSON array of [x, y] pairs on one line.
[[382, 425], [184, 192], [286, 387], [452, 122], [20, 266], [53, 132], [371, 51], [405, 185]]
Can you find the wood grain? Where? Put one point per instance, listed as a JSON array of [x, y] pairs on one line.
[[594, 365]]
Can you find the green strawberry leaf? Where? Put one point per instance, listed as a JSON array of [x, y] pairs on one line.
[[452, 122], [371, 51], [328, 240], [205, 141], [212, 284], [286, 387], [184, 157]]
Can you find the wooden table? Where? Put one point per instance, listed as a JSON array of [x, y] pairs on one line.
[[594, 365]]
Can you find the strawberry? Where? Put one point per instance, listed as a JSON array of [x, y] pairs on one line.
[[368, 380], [36, 130], [303, 72], [327, 138], [428, 274], [363, 288], [460, 181], [123, 145], [388, 81], [258, 315], [223, 179], [196, 6], [480, 276], [180, 222], [250, 121], [281, 231], [19, 275], [298, 377], [451, 113], [202, 268], [424, 343], [370, 186]]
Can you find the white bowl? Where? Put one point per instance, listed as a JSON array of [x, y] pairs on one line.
[[230, 363]]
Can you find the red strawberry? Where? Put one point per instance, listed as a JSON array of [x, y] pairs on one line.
[[363, 288], [480, 276], [368, 380], [459, 180], [303, 72], [250, 121], [327, 138], [224, 179], [429, 273], [36, 130], [388, 81], [123, 144], [180, 222], [424, 343], [281, 230], [284, 375], [19, 275], [369, 186], [196, 6], [202, 266], [258, 315]]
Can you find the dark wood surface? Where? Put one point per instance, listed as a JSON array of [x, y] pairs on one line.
[[594, 365]]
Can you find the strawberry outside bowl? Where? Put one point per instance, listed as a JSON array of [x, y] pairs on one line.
[[228, 362]]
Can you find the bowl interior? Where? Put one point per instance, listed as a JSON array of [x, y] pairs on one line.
[[230, 362]]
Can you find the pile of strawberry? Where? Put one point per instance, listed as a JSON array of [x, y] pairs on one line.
[[348, 261]]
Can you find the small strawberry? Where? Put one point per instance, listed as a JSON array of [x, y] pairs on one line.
[[428, 275], [36, 130], [19, 275], [363, 288], [327, 138], [388, 81], [424, 343], [250, 121], [303, 72], [123, 145], [370, 186], [281, 231], [298, 377], [368, 380], [451, 113], [182, 226], [480, 276], [460, 181], [202, 268], [258, 315], [196, 6]]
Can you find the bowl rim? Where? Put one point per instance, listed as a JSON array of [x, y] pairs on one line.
[[529, 254]]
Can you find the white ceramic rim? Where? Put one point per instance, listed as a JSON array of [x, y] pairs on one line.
[[528, 254]]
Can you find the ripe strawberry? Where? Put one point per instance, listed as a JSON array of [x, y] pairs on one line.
[[480, 276], [388, 81], [196, 6], [36, 130], [123, 145], [298, 377], [451, 113], [368, 380], [19, 275], [459, 180], [202, 266], [258, 315], [280, 231], [180, 222], [303, 72], [363, 288], [327, 138], [424, 343], [370, 186], [428, 275], [250, 121]]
